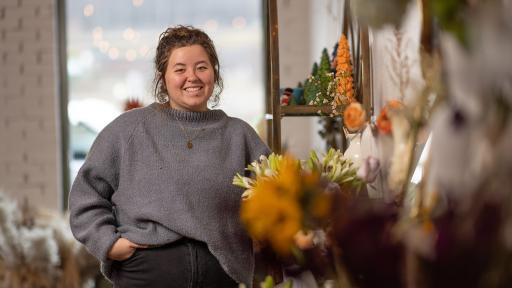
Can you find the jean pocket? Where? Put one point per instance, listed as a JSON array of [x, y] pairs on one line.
[[131, 258]]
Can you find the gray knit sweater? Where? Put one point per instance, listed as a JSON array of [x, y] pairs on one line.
[[141, 182]]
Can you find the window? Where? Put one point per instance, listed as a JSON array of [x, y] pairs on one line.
[[110, 49]]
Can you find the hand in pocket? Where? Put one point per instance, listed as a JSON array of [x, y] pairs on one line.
[[123, 249]]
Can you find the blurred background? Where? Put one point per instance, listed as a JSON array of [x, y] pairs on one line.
[[69, 67]]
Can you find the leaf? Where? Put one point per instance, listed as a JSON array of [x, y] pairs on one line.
[[268, 283]]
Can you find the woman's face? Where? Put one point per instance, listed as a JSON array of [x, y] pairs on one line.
[[189, 78]]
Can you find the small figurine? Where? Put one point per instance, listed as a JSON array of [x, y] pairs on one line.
[[298, 94], [286, 97]]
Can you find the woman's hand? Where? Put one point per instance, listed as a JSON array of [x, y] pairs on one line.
[[123, 249]]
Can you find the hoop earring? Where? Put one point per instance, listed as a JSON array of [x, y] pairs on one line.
[[162, 98], [215, 98]]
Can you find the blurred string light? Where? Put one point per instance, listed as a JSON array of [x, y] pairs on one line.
[[144, 51], [104, 46], [88, 10], [239, 23], [137, 3], [97, 33], [211, 25], [128, 34], [113, 53], [131, 55]]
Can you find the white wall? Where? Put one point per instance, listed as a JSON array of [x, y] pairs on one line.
[[28, 106]]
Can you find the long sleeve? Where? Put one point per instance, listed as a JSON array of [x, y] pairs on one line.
[[92, 218]]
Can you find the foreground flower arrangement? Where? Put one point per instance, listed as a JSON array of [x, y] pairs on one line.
[[299, 200]]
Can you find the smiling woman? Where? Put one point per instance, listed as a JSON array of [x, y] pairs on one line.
[[147, 200], [110, 59]]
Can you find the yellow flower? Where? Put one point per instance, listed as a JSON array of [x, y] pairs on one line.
[[289, 176], [273, 213], [284, 203]]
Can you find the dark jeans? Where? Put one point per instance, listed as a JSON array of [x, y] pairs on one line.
[[185, 263]]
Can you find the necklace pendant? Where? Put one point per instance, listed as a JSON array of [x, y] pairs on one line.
[[189, 144]]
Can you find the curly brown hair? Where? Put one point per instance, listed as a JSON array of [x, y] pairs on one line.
[[177, 37]]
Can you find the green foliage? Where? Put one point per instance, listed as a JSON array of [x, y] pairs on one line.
[[314, 70], [319, 88], [334, 167], [310, 89], [269, 283], [325, 63], [451, 15]]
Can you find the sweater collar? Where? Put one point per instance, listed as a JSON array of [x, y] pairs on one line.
[[189, 116]]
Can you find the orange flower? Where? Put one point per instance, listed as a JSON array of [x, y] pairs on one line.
[[395, 104], [383, 121], [354, 117]]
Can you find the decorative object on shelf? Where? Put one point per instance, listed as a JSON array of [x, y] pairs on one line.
[[354, 120], [286, 97], [310, 89], [298, 95], [331, 82], [334, 58], [344, 78], [319, 88], [353, 151]]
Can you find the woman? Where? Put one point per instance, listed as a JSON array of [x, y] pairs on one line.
[[154, 200]]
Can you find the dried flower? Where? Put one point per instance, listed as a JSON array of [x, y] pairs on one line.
[[41, 252], [383, 121]]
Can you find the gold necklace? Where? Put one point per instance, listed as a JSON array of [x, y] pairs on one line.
[[189, 139]]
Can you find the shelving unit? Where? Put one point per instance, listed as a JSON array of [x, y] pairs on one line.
[[361, 60]]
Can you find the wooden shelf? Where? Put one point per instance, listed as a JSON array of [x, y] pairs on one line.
[[305, 110]]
